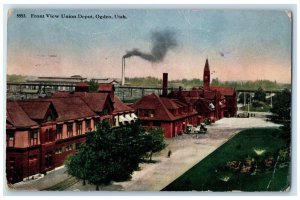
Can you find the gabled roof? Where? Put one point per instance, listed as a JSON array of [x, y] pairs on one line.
[[226, 91], [71, 108], [96, 101], [161, 105], [119, 106], [171, 103], [36, 110], [106, 87], [154, 102], [17, 117]]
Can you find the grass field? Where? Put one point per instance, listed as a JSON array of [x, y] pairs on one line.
[[254, 160]]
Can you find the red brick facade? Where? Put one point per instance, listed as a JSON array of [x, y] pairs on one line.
[[42, 133], [173, 111]]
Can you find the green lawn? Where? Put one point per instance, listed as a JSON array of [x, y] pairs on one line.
[[244, 163]]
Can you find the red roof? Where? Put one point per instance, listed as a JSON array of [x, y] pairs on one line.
[[61, 94], [119, 106], [209, 94], [171, 103], [153, 102], [71, 108], [105, 87], [95, 100], [227, 91], [35, 109], [159, 105], [82, 84], [17, 117]]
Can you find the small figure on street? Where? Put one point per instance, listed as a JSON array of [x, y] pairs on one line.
[[169, 153]]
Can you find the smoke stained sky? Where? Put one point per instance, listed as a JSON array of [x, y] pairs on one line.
[[240, 45]]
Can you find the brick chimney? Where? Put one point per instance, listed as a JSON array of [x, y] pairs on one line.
[[165, 85]]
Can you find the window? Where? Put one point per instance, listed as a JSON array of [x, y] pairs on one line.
[[88, 124], [105, 111], [48, 135], [156, 123], [33, 136], [48, 160], [70, 129], [32, 157], [11, 135], [79, 128], [69, 147], [10, 138], [12, 163], [151, 113], [49, 118], [146, 113], [59, 129]]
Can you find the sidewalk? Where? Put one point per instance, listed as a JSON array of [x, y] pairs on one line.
[[187, 150]]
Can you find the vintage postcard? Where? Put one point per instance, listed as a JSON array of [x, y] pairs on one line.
[[148, 100]]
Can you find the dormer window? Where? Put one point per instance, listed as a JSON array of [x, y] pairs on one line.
[[105, 111], [49, 118]]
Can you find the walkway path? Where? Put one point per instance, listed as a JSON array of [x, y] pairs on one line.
[[187, 150]]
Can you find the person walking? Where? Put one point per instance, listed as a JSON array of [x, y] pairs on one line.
[[169, 153]]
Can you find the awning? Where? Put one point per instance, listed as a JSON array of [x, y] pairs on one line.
[[129, 119], [122, 119], [117, 121], [133, 116]]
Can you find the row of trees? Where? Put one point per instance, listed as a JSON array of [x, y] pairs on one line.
[[190, 83], [112, 154]]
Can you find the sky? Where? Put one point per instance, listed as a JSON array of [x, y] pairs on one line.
[[240, 45]]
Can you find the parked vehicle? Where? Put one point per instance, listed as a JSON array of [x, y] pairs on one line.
[[201, 129]]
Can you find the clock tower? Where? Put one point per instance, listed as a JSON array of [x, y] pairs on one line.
[[206, 76]]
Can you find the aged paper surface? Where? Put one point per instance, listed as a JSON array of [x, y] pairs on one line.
[[217, 83]]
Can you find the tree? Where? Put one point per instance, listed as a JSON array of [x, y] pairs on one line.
[[282, 106], [282, 111], [93, 86], [215, 82], [93, 162], [77, 165], [113, 153], [260, 95], [156, 140]]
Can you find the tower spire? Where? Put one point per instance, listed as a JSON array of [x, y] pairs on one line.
[[206, 75]]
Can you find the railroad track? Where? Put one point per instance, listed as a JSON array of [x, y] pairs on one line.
[[62, 185]]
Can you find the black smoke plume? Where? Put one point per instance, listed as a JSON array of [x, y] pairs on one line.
[[162, 42]]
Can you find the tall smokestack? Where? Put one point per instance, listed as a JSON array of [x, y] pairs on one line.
[[165, 85], [123, 72]]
